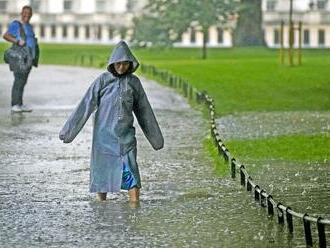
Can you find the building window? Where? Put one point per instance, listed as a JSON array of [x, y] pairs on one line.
[[42, 30], [76, 31], [271, 5], [100, 6], [276, 37], [3, 6], [220, 35], [67, 5], [87, 32], [306, 37], [110, 33], [35, 4], [64, 31], [99, 32], [321, 4], [192, 35], [53, 31], [321, 37]]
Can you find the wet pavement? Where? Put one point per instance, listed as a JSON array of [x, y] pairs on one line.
[[44, 198]]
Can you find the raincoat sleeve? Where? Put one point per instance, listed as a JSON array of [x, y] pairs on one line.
[[146, 119], [81, 113]]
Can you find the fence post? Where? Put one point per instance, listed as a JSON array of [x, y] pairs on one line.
[[270, 206], [248, 184], [256, 193], [289, 219], [242, 175], [280, 214], [321, 233], [233, 168], [307, 229]]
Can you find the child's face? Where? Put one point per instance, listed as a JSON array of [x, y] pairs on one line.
[[121, 67]]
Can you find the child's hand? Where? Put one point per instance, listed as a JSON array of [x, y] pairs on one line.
[[62, 137]]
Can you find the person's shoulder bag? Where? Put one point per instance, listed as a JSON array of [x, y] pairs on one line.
[[18, 57]]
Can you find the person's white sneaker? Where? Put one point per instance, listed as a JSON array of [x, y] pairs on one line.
[[16, 109], [25, 108]]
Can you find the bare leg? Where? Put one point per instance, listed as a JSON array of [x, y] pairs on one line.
[[134, 194], [101, 196]]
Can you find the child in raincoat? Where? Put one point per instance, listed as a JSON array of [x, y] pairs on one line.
[[114, 96]]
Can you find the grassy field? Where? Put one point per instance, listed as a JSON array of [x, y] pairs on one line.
[[239, 80]]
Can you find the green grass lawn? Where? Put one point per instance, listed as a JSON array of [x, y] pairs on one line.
[[239, 80]]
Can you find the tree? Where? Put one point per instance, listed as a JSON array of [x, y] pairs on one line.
[[248, 31], [176, 16]]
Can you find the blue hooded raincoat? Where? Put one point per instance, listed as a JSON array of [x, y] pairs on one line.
[[114, 98]]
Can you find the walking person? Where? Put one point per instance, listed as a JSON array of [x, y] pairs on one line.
[[20, 33], [114, 96]]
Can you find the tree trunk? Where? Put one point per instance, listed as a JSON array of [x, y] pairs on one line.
[[205, 37], [249, 31]]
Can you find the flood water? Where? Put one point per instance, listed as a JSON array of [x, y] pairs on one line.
[[44, 198]]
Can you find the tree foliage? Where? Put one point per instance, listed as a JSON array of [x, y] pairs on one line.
[[172, 18]]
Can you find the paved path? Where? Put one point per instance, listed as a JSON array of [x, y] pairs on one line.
[[44, 198]]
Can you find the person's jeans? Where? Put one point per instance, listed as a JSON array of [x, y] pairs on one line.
[[18, 87]]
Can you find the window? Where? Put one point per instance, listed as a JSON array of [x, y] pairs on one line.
[[193, 35], [270, 5], [53, 31], [276, 37], [67, 5], [321, 37], [306, 37], [110, 33], [76, 31], [42, 30], [220, 35], [87, 32], [100, 6], [321, 4], [99, 32], [3, 6], [35, 4], [64, 31]]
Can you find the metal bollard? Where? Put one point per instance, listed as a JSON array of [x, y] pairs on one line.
[[307, 229]]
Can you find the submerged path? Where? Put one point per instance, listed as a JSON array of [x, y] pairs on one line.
[[44, 198]]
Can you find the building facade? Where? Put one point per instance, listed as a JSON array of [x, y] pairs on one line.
[[313, 14], [108, 21]]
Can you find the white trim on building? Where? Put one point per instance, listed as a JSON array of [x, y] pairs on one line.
[[313, 14]]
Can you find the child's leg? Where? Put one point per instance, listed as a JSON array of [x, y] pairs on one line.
[[101, 196], [134, 194]]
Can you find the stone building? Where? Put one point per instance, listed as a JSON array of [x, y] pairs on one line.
[[314, 15], [107, 21]]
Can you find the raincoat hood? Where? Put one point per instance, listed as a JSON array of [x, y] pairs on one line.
[[122, 53]]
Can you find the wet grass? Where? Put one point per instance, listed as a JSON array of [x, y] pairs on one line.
[[295, 148]]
